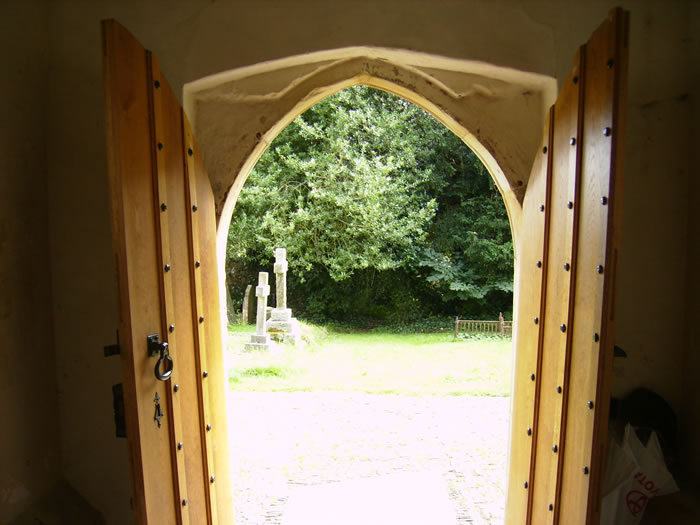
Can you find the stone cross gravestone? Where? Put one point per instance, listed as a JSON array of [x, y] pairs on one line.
[[282, 325], [260, 340], [281, 267]]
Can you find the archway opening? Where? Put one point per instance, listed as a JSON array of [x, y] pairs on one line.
[[365, 184], [238, 114], [386, 216]]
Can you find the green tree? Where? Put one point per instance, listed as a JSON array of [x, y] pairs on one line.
[[382, 210], [340, 187]]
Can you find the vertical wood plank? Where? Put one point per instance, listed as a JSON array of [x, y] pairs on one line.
[[200, 321], [131, 164], [527, 337], [556, 316], [216, 385], [571, 271], [612, 184], [185, 402], [615, 182], [593, 337]]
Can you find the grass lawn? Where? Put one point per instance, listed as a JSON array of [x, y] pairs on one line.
[[410, 364]]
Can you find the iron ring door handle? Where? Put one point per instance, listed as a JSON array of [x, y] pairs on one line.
[[156, 347], [164, 355]]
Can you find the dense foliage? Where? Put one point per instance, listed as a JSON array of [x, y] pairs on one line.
[[384, 212]]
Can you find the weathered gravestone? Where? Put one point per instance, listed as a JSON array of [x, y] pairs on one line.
[[282, 325], [248, 310], [260, 340]]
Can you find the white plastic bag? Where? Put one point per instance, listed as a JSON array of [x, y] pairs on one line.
[[635, 474]]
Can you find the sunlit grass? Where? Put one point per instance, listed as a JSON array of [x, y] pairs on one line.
[[411, 364]]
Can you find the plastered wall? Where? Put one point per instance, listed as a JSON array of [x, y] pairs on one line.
[[57, 269], [690, 409], [94, 461], [29, 429], [652, 291]]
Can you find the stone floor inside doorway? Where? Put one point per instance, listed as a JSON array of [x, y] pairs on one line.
[[336, 458]]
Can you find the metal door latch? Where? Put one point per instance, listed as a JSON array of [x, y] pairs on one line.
[[158, 347], [159, 412]]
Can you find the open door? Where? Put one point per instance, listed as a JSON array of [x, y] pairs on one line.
[[565, 304], [164, 237]]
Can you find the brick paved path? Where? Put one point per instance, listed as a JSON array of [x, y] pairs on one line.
[[282, 443]]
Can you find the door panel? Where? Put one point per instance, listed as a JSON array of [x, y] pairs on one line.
[[559, 272], [567, 254], [165, 252], [133, 195], [178, 290]]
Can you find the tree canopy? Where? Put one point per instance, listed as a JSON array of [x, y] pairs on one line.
[[383, 211]]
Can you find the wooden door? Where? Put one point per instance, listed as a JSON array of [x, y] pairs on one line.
[[565, 305], [164, 227]]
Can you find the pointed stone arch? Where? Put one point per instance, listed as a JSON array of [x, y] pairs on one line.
[[498, 112]]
